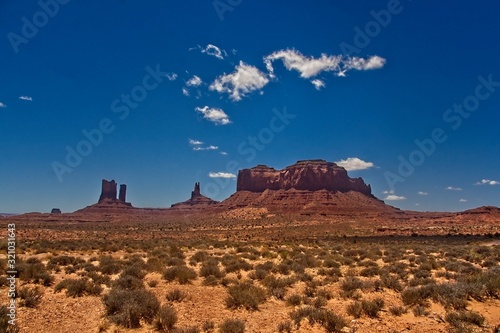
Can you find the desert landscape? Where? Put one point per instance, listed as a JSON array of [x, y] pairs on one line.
[[245, 166], [303, 249]]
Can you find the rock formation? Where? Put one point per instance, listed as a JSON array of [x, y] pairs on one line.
[[309, 175], [123, 193], [55, 211], [306, 186], [108, 190], [197, 200]]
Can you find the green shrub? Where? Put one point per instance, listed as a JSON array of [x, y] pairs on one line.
[[397, 310], [78, 287], [30, 297], [166, 318], [245, 295], [232, 326], [211, 267], [463, 316], [285, 327], [176, 295], [355, 309], [128, 307], [183, 274]]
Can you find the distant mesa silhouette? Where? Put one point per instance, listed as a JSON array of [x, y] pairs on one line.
[[197, 200], [108, 193], [55, 211]]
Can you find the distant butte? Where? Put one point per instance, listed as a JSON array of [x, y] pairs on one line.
[[308, 185], [197, 200]]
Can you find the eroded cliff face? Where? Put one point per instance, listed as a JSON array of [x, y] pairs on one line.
[[309, 175]]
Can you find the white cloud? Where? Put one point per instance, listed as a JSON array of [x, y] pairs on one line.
[[211, 50], [185, 92], [309, 67], [462, 200], [354, 163], [223, 153], [2, 105], [26, 98], [374, 62], [221, 175], [171, 76], [211, 147], [488, 182], [451, 188], [215, 115], [243, 80], [388, 192], [195, 142], [393, 197], [422, 193], [195, 81], [318, 84]]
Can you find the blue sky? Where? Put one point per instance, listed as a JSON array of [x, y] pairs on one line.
[[161, 94]]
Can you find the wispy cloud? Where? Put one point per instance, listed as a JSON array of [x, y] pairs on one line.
[[211, 50], [195, 142], [243, 80], [195, 81], [221, 175], [462, 200], [388, 192], [318, 84], [488, 182], [171, 76], [393, 197], [422, 193], [223, 153], [2, 105], [26, 98], [211, 147], [354, 163], [309, 67], [185, 92], [215, 115], [451, 188]]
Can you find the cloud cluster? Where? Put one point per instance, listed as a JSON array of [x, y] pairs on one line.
[[26, 98], [197, 145], [309, 67], [215, 115], [171, 76], [221, 175], [243, 80], [195, 81], [451, 188], [211, 50], [393, 197], [354, 163], [488, 182]]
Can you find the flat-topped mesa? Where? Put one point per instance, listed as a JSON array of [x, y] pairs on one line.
[[309, 175]]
